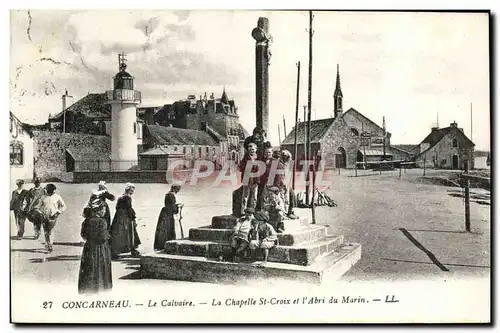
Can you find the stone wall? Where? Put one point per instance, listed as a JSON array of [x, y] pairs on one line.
[[50, 148], [82, 177], [339, 135], [353, 120], [441, 155]]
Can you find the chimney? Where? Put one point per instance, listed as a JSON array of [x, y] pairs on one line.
[[453, 124], [64, 102], [433, 129]]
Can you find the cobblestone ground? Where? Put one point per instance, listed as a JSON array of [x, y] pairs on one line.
[[372, 209]]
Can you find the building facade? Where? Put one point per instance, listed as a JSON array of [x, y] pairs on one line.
[[445, 148], [21, 148], [345, 139]]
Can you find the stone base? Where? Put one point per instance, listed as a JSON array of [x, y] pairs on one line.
[[200, 269]]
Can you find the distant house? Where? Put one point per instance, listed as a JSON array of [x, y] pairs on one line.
[[445, 148], [21, 150], [162, 144]]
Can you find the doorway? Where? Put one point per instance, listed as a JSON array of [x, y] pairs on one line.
[[455, 162], [340, 158]]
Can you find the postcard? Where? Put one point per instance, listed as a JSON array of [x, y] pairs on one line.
[[244, 166]]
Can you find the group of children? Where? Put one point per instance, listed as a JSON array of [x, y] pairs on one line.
[[269, 192], [253, 232]]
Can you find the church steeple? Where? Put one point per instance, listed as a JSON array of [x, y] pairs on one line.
[[224, 99], [337, 95]]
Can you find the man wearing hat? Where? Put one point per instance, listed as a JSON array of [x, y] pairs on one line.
[[18, 204], [239, 238]]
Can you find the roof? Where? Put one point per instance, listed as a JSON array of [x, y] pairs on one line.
[[437, 135], [318, 130], [243, 132], [89, 154], [92, 105], [26, 127], [374, 152], [356, 112], [177, 136], [212, 131], [160, 152], [405, 148]]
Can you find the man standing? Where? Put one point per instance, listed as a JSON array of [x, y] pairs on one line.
[[18, 204], [33, 213], [51, 205]]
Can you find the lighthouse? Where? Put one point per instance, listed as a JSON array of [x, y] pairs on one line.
[[123, 99]]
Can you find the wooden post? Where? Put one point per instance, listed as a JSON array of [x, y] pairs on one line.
[[356, 169], [380, 168], [296, 125], [309, 95], [467, 198], [284, 127], [279, 135], [313, 209], [400, 171], [425, 155]]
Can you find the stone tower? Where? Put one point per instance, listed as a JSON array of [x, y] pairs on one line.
[[123, 99], [337, 96]]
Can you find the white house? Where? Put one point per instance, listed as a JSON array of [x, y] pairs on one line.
[[21, 150]]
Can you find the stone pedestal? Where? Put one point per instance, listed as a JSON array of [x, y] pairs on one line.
[[305, 253]]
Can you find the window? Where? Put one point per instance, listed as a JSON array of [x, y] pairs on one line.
[[199, 152], [176, 148], [208, 151], [135, 127], [102, 127], [16, 153], [354, 131], [184, 150], [455, 143]]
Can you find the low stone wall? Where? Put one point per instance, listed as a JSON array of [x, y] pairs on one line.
[[82, 177]]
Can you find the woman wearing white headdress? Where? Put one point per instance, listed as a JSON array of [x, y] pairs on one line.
[[102, 194], [124, 237], [95, 265]]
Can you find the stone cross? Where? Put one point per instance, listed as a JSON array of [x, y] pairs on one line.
[[262, 58]]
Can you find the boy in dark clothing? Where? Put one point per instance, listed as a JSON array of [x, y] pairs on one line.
[[262, 236]]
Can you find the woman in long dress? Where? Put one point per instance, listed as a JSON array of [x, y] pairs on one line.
[[95, 265], [165, 229], [124, 237], [103, 194]]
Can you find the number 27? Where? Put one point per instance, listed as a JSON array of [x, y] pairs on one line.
[[47, 305]]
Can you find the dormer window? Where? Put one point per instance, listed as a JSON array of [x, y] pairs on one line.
[[455, 143]]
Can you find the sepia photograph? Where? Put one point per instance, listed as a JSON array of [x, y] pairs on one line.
[[250, 166]]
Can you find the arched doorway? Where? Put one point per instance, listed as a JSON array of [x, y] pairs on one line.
[[340, 158]]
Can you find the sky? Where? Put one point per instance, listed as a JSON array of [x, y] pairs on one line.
[[411, 68]]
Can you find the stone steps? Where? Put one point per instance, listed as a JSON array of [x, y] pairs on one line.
[[288, 238], [229, 221], [200, 269], [301, 254]]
